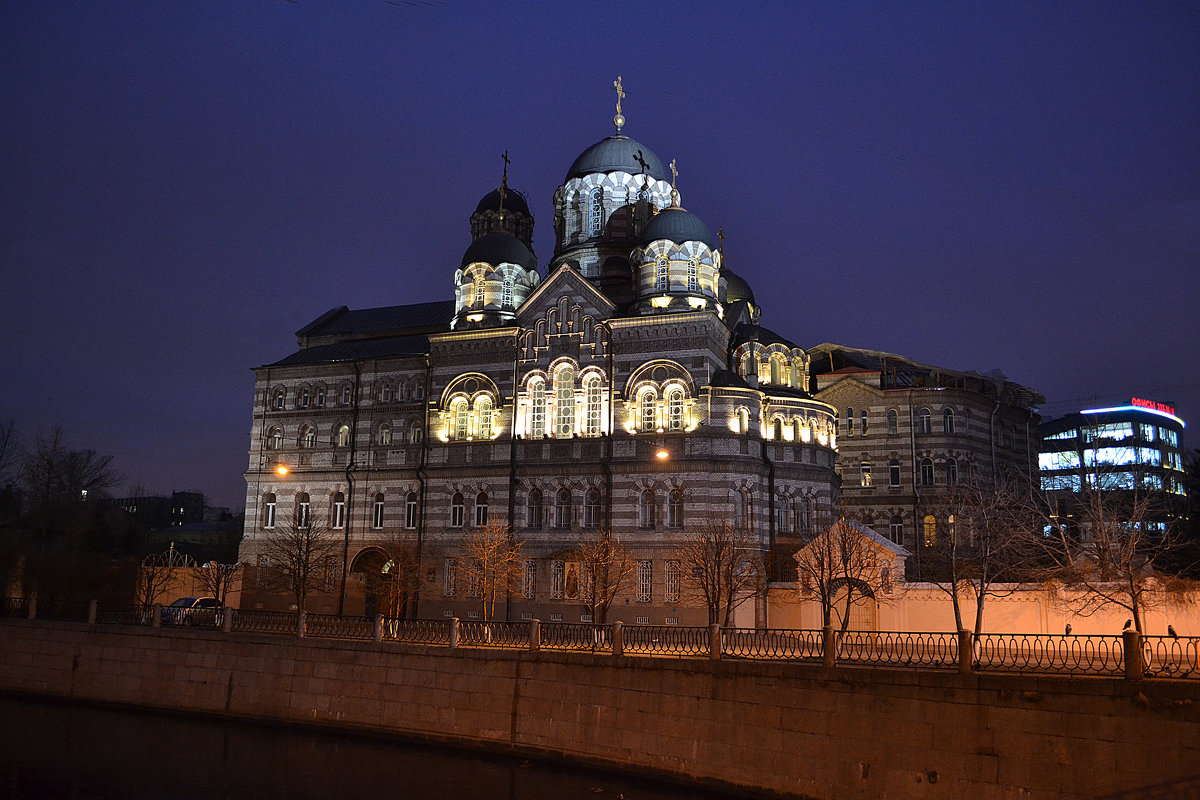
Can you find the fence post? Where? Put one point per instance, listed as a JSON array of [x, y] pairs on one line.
[[1132, 641], [618, 642], [301, 623], [156, 616], [32, 606], [227, 619], [453, 632], [714, 642], [377, 631], [829, 646], [535, 635], [966, 652], [92, 612]]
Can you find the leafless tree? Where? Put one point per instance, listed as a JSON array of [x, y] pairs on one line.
[[10, 451], [56, 478], [607, 566], [217, 579], [399, 577], [294, 558], [841, 566], [493, 564], [722, 566], [156, 572]]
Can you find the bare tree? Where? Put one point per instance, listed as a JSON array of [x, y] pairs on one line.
[[607, 566], [841, 565], [217, 579], [56, 478], [493, 564], [399, 576], [10, 451], [156, 572], [722, 567], [294, 558]]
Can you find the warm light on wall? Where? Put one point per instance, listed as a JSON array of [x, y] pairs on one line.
[[474, 317], [282, 469], [662, 453], [660, 302], [697, 302]]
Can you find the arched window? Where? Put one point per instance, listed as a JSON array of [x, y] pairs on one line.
[[748, 366], [593, 408], [743, 420], [342, 437], [647, 402], [479, 295], [675, 508], [537, 408], [777, 430], [591, 508], [596, 212], [662, 274], [268, 518], [849, 421], [693, 272], [450, 578], [274, 439], [950, 527], [280, 399], [415, 433], [337, 510], [303, 510], [402, 390], [320, 400], [739, 510], [481, 509], [896, 529], [562, 508], [377, 512], [304, 397], [782, 507], [346, 395], [385, 393], [533, 510], [951, 471], [671, 582], [806, 514], [385, 434], [558, 580], [948, 420], [308, 436], [675, 410], [926, 472], [456, 510], [862, 416], [929, 528], [507, 296], [529, 579], [483, 412], [564, 397], [777, 369], [646, 509], [924, 421], [461, 418], [894, 472], [864, 473], [893, 422], [410, 510]]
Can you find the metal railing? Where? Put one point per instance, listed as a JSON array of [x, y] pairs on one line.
[[1130, 655]]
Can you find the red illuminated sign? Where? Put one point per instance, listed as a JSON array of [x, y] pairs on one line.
[[1153, 406]]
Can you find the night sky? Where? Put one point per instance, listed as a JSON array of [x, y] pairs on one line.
[[183, 185]]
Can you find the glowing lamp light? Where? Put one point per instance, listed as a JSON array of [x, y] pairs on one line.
[[662, 453], [282, 469], [660, 302], [474, 317]]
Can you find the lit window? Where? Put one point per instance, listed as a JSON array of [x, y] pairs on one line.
[[893, 473], [308, 436], [377, 512], [385, 434], [537, 408], [675, 410], [274, 439], [564, 396], [479, 291], [951, 471], [591, 508], [671, 588], [593, 407], [481, 509], [743, 420], [896, 529], [929, 527], [675, 508], [662, 279], [864, 473], [507, 298], [596, 212], [950, 527], [645, 581], [562, 508], [450, 578], [533, 510], [924, 421], [303, 509], [926, 472], [483, 411], [338, 511], [342, 438], [461, 418], [456, 510], [410, 510], [269, 511], [948, 420], [646, 509], [646, 409], [893, 421], [693, 268]]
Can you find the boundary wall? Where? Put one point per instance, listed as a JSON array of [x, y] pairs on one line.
[[773, 728]]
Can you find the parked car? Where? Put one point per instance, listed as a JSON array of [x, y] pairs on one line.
[[202, 612]]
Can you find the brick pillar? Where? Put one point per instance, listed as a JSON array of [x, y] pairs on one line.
[[1132, 644], [301, 623], [714, 642], [227, 619], [92, 612], [156, 616], [618, 642], [829, 646], [453, 632], [33, 606], [966, 652], [535, 635], [377, 631]]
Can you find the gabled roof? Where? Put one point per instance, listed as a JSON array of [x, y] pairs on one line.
[[879, 540]]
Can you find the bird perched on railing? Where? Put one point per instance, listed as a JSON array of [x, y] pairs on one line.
[[1171, 632], [1067, 632], [1128, 622]]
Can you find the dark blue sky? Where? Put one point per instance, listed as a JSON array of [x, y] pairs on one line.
[[979, 186]]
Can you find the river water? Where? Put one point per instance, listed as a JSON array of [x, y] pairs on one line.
[[57, 750]]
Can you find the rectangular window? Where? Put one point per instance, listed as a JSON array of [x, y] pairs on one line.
[[269, 515], [302, 515], [456, 514], [529, 579], [645, 581], [893, 473], [481, 514], [377, 514], [339, 514], [450, 578], [864, 473], [558, 579], [410, 513], [672, 585]]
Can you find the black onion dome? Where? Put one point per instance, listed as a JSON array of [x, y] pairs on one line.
[[678, 226], [736, 288], [513, 201], [500, 247], [617, 154]]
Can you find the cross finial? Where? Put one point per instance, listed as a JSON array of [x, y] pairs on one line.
[[619, 119], [674, 182], [503, 186], [504, 177], [721, 236]]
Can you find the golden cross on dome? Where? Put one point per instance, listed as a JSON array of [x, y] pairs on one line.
[[503, 185], [674, 181], [721, 236], [619, 119]]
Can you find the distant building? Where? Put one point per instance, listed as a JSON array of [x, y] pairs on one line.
[[1131, 450], [159, 511], [907, 432]]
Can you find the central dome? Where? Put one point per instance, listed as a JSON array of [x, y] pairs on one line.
[[617, 154], [499, 248], [677, 225], [513, 201]]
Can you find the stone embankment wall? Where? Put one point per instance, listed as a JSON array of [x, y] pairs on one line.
[[791, 729]]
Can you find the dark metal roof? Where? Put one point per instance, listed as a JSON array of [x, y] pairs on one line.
[[513, 201], [357, 349], [617, 154], [500, 247], [735, 287], [724, 377], [341, 320], [746, 333], [679, 226]]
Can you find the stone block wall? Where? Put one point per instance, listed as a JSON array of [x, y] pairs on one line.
[[792, 729]]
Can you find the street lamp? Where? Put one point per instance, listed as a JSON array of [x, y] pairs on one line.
[[281, 469]]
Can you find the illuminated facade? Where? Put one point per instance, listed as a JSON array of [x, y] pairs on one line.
[[629, 388], [909, 432], [1133, 449]]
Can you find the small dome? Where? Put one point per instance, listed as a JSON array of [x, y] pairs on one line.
[[677, 225], [617, 154], [513, 201], [498, 248], [736, 288]]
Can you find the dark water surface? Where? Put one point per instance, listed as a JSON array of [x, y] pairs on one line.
[[57, 750]]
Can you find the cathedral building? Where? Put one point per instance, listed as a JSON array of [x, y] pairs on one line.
[[627, 385]]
